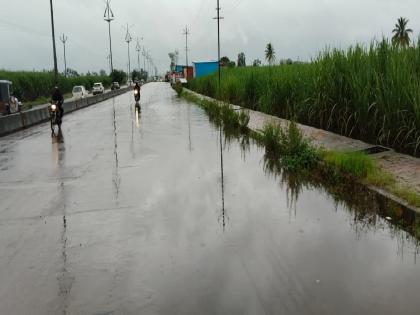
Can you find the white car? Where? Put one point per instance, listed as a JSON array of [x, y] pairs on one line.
[[79, 91], [98, 88]]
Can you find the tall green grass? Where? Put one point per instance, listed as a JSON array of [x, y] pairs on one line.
[[29, 86], [369, 93]]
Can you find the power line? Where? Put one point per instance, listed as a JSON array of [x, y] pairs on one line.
[[186, 33], [236, 5], [199, 11]]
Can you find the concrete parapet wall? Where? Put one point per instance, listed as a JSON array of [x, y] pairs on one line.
[[25, 119]]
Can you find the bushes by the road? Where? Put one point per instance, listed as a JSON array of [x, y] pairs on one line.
[[370, 93], [29, 86]]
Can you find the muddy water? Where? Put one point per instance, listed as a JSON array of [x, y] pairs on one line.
[[155, 212]]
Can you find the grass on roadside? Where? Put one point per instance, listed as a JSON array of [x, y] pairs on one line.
[[289, 145], [360, 166], [221, 113], [42, 100]]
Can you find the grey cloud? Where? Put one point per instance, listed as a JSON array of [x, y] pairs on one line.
[[297, 29]]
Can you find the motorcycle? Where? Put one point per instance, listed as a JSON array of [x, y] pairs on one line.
[[55, 116], [137, 95]]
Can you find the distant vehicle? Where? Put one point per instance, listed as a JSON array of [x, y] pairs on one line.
[[8, 103], [79, 91], [183, 81], [141, 81], [115, 86], [98, 88]]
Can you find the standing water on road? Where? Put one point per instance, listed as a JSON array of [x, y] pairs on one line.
[[138, 212]]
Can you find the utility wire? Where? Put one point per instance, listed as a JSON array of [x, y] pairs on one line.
[[26, 29]]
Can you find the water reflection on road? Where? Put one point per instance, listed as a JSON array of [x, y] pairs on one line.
[[158, 212]]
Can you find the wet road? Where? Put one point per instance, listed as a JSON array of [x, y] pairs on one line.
[[128, 214]]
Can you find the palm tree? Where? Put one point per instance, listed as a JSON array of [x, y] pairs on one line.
[[401, 36], [270, 55]]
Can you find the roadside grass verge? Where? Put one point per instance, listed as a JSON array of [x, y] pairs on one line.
[[178, 88], [288, 149], [221, 114], [289, 146], [42, 100]]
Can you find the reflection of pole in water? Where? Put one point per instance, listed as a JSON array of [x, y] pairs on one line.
[[65, 279], [137, 117], [116, 178], [189, 128], [222, 180]]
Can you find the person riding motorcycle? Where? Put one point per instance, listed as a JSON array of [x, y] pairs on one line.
[[57, 97], [137, 89]]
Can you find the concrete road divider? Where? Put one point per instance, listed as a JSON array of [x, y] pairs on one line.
[[34, 116], [26, 119], [10, 123]]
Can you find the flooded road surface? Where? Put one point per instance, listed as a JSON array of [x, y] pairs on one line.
[[128, 214]]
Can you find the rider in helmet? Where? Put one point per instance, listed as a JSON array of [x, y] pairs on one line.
[[137, 86], [57, 97]]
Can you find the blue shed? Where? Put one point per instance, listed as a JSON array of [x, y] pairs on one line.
[[204, 68], [179, 68]]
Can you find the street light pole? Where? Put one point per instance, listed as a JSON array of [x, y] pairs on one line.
[[144, 60], [128, 39], [108, 17], [63, 39], [53, 40], [138, 49]]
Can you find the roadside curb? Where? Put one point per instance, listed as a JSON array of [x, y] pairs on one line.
[[29, 118]]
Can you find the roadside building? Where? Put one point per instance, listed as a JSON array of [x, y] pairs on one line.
[[204, 68], [188, 72], [179, 68]]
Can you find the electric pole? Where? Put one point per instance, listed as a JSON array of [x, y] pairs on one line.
[[109, 62], [128, 39], [186, 33], [144, 60], [138, 49], [108, 17], [218, 18], [64, 40], [53, 40]]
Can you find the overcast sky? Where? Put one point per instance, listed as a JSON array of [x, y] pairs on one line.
[[298, 29]]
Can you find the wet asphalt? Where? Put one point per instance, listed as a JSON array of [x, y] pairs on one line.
[[128, 213]]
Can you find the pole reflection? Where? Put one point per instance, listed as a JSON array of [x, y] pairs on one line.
[[222, 181]]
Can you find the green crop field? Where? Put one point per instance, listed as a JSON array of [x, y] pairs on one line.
[[369, 93], [29, 86]]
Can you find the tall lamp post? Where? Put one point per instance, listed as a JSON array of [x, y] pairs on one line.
[[128, 39], [138, 49], [108, 17], [53, 40], [63, 39]]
